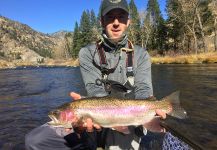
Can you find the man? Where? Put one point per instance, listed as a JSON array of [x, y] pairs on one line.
[[116, 49], [112, 66]]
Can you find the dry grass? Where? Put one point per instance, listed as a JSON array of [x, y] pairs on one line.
[[178, 59], [61, 62], [6, 64], [48, 62], [186, 59]]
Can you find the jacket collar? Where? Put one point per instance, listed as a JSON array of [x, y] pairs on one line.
[[114, 47]]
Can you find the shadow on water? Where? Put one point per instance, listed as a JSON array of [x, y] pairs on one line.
[[28, 94]]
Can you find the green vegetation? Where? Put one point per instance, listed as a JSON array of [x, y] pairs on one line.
[[76, 42], [156, 23], [2, 54], [85, 32], [134, 30], [189, 28], [40, 61], [15, 55], [44, 52], [188, 34]]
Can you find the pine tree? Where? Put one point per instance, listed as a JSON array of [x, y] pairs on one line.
[[93, 19], [157, 36], [98, 21], [85, 29], [176, 31], [95, 30], [134, 30], [154, 10], [76, 41]]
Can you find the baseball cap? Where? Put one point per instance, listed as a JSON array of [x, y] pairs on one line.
[[108, 5]]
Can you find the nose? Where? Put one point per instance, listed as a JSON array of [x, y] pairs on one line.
[[116, 21]]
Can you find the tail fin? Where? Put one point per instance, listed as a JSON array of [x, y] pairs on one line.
[[177, 110]]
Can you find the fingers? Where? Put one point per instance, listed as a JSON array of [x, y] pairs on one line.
[[68, 130], [98, 127], [163, 130], [154, 125], [75, 121], [161, 113], [90, 125], [75, 96]]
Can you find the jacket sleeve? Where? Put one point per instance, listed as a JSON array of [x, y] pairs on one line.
[[142, 79], [90, 73]]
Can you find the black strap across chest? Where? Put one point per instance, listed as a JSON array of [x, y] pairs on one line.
[[103, 62]]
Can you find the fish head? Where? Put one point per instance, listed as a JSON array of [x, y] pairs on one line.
[[62, 118]]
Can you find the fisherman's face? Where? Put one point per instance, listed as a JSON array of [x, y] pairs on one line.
[[115, 23]]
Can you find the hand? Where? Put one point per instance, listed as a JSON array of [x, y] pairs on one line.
[[88, 123], [160, 113], [75, 96], [154, 124]]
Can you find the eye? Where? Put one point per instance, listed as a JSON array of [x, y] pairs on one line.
[[110, 17], [121, 17], [56, 112]]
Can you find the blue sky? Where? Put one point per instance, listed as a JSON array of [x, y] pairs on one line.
[[49, 16]]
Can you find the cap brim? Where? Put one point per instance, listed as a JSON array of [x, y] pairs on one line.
[[113, 7]]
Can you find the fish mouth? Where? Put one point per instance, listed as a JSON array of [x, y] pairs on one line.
[[53, 121], [56, 123]]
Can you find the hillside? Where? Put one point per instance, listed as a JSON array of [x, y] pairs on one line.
[[21, 43]]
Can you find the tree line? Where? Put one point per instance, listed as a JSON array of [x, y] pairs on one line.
[[190, 26]]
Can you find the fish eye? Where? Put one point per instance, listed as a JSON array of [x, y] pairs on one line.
[[55, 112]]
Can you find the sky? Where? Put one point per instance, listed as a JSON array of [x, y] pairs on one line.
[[49, 16]]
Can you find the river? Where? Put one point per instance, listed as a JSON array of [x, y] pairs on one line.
[[28, 94]]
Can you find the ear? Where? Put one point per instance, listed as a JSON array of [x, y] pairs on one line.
[[128, 22], [102, 23]]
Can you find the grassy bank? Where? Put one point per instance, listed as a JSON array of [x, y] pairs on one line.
[[177, 59], [186, 59], [48, 62]]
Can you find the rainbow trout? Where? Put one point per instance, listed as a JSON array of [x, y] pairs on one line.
[[113, 112]]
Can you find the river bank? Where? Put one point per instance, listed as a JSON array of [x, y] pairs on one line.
[[186, 59], [176, 59], [47, 62]]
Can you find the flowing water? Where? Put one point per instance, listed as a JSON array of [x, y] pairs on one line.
[[28, 94]]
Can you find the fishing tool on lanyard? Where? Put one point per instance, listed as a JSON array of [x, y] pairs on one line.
[[109, 84]]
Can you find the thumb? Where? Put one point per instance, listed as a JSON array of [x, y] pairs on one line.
[[75, 96], [161, 113]]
